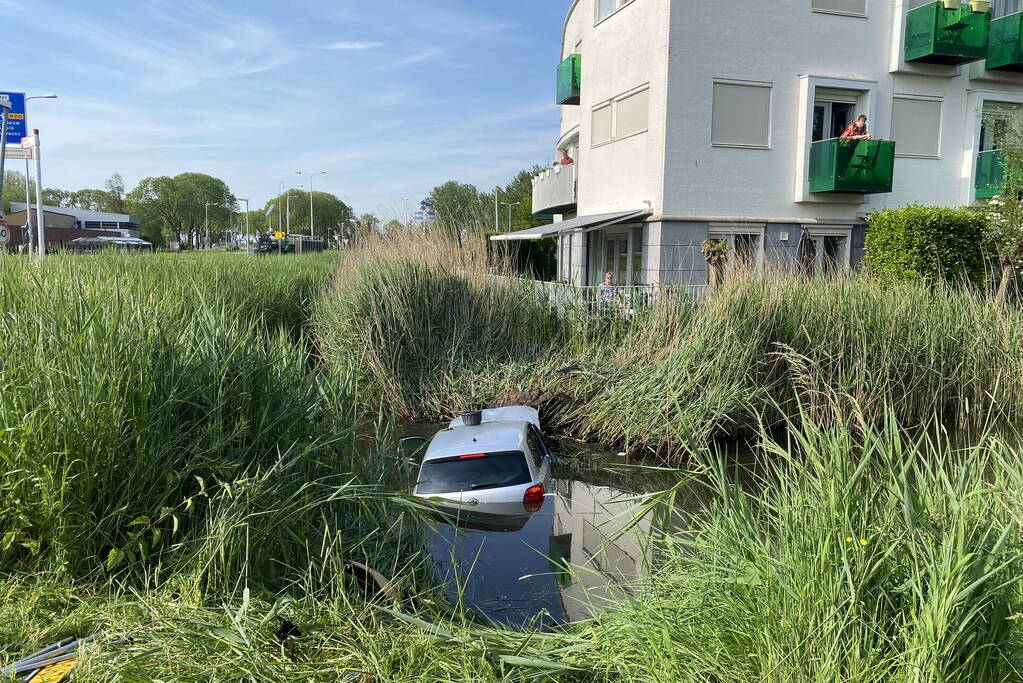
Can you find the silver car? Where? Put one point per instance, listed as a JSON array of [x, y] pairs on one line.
[[491, 462]]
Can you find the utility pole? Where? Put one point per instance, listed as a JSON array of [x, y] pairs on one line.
[[312, 229], [246, 216], [207, 225], [497, 212], [40, 221]]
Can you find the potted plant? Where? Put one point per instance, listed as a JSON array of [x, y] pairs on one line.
[[715, 251], [952, 4], [980, 5]]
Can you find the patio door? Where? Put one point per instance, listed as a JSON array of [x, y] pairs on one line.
[[616, 257]]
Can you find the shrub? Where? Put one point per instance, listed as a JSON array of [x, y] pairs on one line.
[[927, 243]]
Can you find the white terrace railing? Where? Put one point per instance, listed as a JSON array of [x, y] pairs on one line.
[[598, 299]]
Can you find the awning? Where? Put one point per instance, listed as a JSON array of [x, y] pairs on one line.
[[579, 224]]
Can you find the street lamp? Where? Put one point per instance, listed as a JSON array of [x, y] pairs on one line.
[[285, 188], [28, 192], [509, 205], [207, 225], [246, 215], [312, 230]]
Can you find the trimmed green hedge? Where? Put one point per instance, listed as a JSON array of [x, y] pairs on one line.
[[927, 243]]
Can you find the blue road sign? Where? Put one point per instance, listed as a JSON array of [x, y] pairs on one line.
[[431, 216], [419, 215], [17, 124]]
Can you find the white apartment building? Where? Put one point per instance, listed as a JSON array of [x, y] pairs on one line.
[[689, 120]]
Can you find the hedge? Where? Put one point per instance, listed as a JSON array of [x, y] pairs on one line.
[[927, 243]]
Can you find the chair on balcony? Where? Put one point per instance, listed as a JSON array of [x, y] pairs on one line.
[[864, 164]]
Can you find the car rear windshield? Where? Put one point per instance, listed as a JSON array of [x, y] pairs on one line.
[[474, 472]]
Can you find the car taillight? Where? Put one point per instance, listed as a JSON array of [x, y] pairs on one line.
[[533, 498], [472, 456]]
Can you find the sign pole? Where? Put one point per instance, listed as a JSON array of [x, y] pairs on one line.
[[40, 221], [5, 109], [30, 236]]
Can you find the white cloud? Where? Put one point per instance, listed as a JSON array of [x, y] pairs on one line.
[[353, 45]]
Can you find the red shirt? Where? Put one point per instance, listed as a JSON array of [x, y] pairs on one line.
[[854, 129]]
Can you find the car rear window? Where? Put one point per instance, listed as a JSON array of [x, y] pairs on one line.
[[474, 472]]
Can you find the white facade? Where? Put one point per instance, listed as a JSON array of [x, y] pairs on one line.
[[732, 88]]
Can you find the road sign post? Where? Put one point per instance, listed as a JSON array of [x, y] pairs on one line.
[[5, 111], [33, 143]]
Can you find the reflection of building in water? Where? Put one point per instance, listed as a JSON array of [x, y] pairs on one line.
[[588, 521]]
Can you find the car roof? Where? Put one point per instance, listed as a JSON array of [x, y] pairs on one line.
[[489, 437]]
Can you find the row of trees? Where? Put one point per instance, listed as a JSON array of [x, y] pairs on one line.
[[176, 208], [468, 209]]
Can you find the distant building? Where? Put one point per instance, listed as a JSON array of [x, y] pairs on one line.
[[64, 225]]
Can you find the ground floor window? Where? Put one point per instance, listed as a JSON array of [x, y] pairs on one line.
[[825, 251], [745, 252]]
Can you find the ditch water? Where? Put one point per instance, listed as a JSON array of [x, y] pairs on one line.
[[583, 551]]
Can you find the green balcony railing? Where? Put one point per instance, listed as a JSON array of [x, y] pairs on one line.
[[856, 166], [990, 173], [570, 74], [935, 35], [1005, 43]]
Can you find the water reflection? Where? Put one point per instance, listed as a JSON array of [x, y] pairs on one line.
[[560, 564]]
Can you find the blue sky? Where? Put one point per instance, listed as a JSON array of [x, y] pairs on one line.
[[390, 97]]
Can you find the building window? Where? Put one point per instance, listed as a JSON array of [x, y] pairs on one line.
[[741, 115], [916, 127], [825, 251], [601, 131], [1003, 8], [856, 8], [632, 114], [745, 244], [606, 8], [624, 116]]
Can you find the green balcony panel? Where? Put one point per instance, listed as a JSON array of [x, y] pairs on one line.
[[856, 166], [990, 173], [1005, 43], [570, 77], [935, 35]]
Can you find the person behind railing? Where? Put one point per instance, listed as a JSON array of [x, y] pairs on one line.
[[606, 290], [857, 130], [565, 159]]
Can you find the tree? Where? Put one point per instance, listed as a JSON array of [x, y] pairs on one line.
[[1005, 212], [331, 215], [115, 193], [180, 205], [462, 209], [14, 189], [363, 226]]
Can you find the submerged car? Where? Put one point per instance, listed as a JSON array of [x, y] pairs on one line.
[[491, 462]]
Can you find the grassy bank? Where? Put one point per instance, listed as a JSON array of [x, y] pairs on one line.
[[433, 336], [176, 469]]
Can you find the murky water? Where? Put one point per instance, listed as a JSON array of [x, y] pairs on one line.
[[566, 561]]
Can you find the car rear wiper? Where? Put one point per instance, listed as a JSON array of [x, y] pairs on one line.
[[477, 487]]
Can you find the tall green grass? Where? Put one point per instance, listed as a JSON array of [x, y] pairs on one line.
[[432, 336]]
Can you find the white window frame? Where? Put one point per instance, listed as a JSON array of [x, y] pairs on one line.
[[815, 231], [866, 10], [770, 111], [941, 123], [613, 104], [619, 6], [728, 231]]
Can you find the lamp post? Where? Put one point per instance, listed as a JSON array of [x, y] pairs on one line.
[[312, 229], [509, 205], [207, 225], [246, 215], [28, 192]]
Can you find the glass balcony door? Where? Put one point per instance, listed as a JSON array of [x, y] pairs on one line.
[[830, 119]]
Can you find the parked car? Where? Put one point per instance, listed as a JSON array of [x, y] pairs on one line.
[[491, 462]]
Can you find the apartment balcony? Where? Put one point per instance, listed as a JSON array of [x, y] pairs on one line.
[[853, 166], [990, 173], [1005, 43], [570, 79], [936, 35], [554, 190]]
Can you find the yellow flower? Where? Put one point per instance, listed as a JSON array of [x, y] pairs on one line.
[[863, 542], [849, 539]]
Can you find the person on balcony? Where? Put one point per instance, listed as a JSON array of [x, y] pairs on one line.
[[857, 130], [565, 159], [606, 289]]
